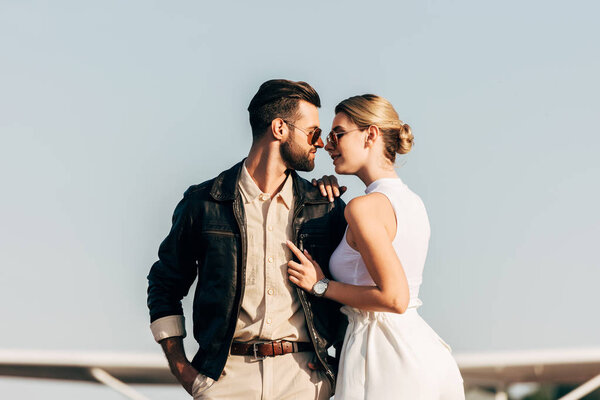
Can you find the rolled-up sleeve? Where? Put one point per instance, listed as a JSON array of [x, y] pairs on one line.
[[170, 326]]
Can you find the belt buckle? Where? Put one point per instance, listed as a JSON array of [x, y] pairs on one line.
[[255, 349]]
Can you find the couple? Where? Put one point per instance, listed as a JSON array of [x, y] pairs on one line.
[[276, 257]]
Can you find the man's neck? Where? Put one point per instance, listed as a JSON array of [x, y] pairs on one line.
[[267, 169]]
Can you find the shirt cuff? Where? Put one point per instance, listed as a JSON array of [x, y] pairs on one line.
[[169, 326]]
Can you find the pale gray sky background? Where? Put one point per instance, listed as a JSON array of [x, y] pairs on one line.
[[110, 110]]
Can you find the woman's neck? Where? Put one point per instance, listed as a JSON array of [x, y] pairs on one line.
[[370, 174]]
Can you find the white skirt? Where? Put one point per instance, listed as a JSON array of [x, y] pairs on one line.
[[395, 356]]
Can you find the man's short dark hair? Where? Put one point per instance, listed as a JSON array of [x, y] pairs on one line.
[[278, 98]]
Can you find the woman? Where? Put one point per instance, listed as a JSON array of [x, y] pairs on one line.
[[389, 351]]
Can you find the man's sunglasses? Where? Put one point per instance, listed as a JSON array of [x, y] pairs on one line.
[[312, 136]]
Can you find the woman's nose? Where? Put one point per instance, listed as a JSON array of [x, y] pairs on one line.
[[329, 147]]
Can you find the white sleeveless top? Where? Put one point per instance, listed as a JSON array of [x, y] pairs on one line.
[[411, 240]]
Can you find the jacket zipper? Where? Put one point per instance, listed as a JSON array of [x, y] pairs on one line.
[[303, 301], [243, 267]]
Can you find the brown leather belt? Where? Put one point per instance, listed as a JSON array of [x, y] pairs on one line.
[[269, 349]]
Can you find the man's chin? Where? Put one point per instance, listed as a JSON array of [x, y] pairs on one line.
[[307, 166], [300, 164], [294, 158]]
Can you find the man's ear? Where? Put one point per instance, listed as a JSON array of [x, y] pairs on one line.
[[373, 133], [278, 128]]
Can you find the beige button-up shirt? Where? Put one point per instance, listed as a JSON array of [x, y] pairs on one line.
[[270, 308]]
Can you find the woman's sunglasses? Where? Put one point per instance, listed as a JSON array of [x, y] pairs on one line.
[[334, 137]]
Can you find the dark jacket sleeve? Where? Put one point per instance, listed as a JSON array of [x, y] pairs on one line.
[[172, 275]]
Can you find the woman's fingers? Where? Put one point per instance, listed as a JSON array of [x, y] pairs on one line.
[[294, 280], [298, 279], [293, 248], [321, 186], [335, 186], [313, 262], [308, 256], [296, 251], [306, 269], [296, 274], [327, 186], [295, 266]]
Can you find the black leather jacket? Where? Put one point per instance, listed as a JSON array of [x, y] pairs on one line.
[[208, 239]]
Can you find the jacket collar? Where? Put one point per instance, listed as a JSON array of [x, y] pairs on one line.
[[225, 186]]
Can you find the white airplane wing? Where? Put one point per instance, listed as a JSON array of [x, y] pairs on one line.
[[500, 369], [128, 368], [549, 366], [117, 370]]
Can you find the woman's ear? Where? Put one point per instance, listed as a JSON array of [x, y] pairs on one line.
[[373, 134]]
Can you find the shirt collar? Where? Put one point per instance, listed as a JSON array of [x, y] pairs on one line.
[[251, 191], [287, 192]]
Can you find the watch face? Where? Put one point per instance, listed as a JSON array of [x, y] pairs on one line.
[[320, 287]]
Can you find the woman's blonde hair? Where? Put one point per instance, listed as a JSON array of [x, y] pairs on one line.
[[370, 109]]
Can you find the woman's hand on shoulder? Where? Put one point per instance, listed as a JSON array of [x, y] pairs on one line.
[[329, 186]]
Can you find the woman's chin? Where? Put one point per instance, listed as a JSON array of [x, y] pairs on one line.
[[336, 168], [340, 170]]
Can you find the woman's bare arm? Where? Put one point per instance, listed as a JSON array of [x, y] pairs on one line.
[[372, 223]]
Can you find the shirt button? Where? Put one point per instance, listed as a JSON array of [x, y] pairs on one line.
[[270, 259], [269, 321], [270, 228], [270, 291]]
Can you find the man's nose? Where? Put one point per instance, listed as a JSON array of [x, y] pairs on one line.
[[319, 143]]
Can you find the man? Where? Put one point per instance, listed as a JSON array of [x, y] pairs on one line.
[[260, 337]]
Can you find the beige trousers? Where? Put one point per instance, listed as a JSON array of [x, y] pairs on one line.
[[285, 377]]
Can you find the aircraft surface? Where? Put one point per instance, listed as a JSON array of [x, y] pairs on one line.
[[494, 369]]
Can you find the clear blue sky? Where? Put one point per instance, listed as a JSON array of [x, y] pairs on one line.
[[110, 110]]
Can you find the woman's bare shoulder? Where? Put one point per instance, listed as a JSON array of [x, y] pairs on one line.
[[370, 207]]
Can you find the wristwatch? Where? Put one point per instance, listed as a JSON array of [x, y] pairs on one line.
[[320, 287]]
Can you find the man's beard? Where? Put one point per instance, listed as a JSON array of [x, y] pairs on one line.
[[295, 157]]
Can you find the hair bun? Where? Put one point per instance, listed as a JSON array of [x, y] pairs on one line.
[[405, 139]]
